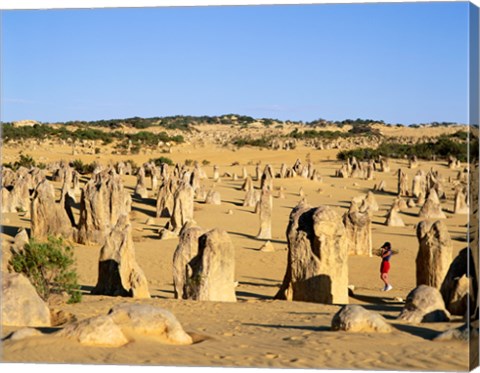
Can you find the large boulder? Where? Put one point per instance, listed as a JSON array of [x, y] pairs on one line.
[[212, 275], [149, 320], [317, 269], [434, 253], [125, 323], [100, 331], [355, 318], [424, 304], [118, 272], [21, 304]]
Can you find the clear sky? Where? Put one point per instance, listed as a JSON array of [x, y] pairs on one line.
[[401, 63]]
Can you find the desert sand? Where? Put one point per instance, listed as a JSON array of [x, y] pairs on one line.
[[256, 331]]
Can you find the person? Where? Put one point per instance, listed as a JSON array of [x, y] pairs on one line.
[[386, 254]]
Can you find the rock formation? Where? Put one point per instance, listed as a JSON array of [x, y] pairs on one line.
[[103, 201], [212, 275], [355, 318], [186, 250], [141, 190], [317, 269], [456, 287], [213, 198], [125, 323], [182, 208], [358, 228], [432, 208], [402, 183], [21, 304], [434, 253], [424, 304], [48, 218], [461, 201], [118, 272], [265, 206]]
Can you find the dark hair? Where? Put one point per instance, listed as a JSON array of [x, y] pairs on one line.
[[386, 245]]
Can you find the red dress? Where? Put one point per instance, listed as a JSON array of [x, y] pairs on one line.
[[385, 266]]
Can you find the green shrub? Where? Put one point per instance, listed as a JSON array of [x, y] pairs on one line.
[[49, 267], [24, 160], [443, 148], [262, 142], [189, 162], [159, 161], [82, 168]]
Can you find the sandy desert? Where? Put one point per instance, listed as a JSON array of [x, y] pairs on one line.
[[256, 330]]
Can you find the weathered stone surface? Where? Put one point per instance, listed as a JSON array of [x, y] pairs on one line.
[[213, 198], [24, 333], [434, 253], [21, 304], [381, 187], [461, 201], [317, 269], [213, 269], [358, 228], [21, 238], [182, 208], [247, 184], [393, 217], [419, 184], [99, 331], [424, 304], [251, 198], [355, 318], [145, 319], [186, 250], [402, 183], [118, 272], [165, 199], [267, 247], [369, 203], [48, 217], [432, 208], [103, 200], [456, 288], [265, 206], [141, 190], [466, 333]]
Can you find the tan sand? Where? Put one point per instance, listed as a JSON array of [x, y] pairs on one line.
[[257, 331]]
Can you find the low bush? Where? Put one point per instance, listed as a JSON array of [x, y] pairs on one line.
[[49, 266], [443, 148], [162, 160], [83, 168], [24, 160]]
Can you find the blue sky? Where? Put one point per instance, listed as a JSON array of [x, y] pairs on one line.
[[402, 63]]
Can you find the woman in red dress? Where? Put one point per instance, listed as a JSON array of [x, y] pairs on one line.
[[385, 266]]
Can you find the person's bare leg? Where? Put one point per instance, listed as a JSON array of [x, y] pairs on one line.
[[384, 277]]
